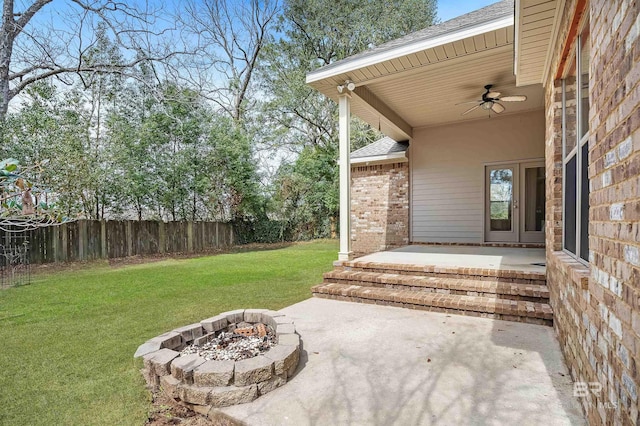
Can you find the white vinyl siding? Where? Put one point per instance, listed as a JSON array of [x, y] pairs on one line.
[[447, 172]]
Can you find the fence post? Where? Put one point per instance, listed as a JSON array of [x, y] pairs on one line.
[[162, 238], [203, 237], [230, 235], [82, 237], [129, 237], [103, 239], [56, 243], [217, 236], [65, 242], [190, 236]]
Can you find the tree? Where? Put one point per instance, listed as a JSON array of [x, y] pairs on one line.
[[318, 33], [233, 177], [50, 132], [122, 139], [133, 153], [230, 38], [33, 50]]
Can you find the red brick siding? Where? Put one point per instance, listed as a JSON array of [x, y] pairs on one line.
[[379, 207], [597, 308]]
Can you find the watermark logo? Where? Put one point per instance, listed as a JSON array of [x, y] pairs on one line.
[[583, 389]]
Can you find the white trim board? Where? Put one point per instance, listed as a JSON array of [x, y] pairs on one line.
[[399, 157]]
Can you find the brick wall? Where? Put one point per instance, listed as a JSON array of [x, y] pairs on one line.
[[597, 308], [379, 207]]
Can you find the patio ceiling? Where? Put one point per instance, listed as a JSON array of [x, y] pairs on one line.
[[417, 81]]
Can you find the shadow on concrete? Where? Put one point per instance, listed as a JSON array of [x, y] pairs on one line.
[[378, 365]]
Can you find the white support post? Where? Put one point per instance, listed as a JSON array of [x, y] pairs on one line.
[[344, 104]]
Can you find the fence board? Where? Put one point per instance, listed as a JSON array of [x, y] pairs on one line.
[[94, 239]]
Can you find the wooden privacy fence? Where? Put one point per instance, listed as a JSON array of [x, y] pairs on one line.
[[99, 239]]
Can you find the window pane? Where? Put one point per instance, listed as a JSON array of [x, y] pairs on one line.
[[571, 119], [570, 206], [584, 204], [534, 199], [584, 82], [501, 196]]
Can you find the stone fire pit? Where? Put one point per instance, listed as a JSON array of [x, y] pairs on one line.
[[204, 383]]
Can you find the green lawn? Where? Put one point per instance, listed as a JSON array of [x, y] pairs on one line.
[[67, 341]]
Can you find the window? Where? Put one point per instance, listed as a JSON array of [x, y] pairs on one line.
[[575, 149]]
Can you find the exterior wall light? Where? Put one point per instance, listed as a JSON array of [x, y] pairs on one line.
[[348, 84]]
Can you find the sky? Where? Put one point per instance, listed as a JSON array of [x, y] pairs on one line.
[[448, 9]]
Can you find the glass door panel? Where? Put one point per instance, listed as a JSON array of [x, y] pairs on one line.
[[532, 202], [501, 199], [502, 202]]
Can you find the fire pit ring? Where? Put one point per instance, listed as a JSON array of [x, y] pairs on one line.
[[199, 382]]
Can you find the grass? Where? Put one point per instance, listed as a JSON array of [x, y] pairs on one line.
[[68, 339]]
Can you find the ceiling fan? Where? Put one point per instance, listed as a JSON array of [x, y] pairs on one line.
[[490, 100]]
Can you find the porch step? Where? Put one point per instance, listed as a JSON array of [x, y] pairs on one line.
[[442, 285], [500, 275], [505, 309]]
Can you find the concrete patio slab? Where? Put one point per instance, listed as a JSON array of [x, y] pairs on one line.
[[380, 365], [513, 258]]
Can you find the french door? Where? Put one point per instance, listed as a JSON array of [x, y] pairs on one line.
[[515, 202]]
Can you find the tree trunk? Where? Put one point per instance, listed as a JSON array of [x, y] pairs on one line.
[[6, 49], [193, 216], [9, 29], [332, 223]]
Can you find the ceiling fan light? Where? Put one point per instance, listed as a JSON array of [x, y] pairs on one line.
[[497, 108], [487, 105]]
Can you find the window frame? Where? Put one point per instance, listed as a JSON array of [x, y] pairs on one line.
[[576, 151]]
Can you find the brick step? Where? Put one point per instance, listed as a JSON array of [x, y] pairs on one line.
[[507, 275], [505, 309], [462, 286]]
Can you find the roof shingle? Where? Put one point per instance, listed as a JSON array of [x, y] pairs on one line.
[[384, 146]]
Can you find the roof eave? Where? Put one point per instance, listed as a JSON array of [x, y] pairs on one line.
[[348, 65]]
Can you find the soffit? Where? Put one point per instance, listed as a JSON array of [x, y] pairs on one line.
[[535, 27], [423, 88]]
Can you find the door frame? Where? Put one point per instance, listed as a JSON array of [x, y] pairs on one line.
[[518, 163]]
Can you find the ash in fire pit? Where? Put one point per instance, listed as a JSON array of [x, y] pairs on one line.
[[231, 358], [242, 341]]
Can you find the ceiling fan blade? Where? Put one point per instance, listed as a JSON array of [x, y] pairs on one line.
[[470, 102], [515, 98], [471, 109], [497, 108], [493, 95]]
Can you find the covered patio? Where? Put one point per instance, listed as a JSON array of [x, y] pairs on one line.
[[447, 213], [499, 258], [474, 168]]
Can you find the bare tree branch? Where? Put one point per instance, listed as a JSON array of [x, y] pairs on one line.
[[30, 53], [230, 37]]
